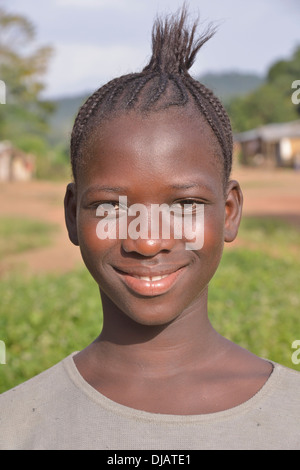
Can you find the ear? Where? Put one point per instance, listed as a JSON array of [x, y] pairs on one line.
[[70, 204], [233, 210]]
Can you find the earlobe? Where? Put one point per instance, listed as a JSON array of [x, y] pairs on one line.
[[70, 212], [233, 211]]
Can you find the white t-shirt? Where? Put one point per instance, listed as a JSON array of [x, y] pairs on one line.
[[58, 409]]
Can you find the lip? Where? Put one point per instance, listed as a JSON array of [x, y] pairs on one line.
[[150, 283]]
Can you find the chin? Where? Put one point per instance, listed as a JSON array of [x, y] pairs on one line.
[[153, 311]]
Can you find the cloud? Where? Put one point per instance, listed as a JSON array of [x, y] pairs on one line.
[[99, 4], [78, 67]]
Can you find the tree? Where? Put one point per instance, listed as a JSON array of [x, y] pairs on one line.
[[22, 68], [270, 102]]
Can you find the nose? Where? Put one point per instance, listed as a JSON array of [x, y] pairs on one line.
[[147, 246]]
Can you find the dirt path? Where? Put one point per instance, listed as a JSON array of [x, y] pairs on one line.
[[266, 193], [43, 201], [271, 193]]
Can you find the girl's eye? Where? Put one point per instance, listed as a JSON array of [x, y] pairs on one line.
[[110, 209], [186, 206]]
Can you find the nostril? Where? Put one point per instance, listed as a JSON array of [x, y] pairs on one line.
[[147, 247]]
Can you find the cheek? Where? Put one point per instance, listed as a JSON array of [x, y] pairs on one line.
[[212, 249], [87, 235], [94, 251], [214, 234]]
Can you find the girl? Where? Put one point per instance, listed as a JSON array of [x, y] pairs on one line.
[[158, 376]]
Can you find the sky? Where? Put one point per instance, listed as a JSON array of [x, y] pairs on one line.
[[97, 40]]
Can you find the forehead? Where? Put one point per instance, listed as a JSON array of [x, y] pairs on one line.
[[159, 145]]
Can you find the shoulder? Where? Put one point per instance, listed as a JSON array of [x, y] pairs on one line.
[[277, 406], [34, 389], [25, 407], [275, 411], [286, 387]]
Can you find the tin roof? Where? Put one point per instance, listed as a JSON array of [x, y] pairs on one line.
[[271, 132]]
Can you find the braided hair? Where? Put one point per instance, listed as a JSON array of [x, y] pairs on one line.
[[163, 83]]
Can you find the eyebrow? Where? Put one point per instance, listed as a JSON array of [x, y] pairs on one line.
[[190, 185], [120, 189], [108, 189]]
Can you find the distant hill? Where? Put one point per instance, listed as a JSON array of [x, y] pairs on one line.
[[225, 85], [62, 119], [228, 85]]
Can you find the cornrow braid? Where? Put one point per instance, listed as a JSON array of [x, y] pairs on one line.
[[158, 90], [134, 94], [89, 109], [214, 113], [163, 83], [181, 89]]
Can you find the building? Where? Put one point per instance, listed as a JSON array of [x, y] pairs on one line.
[[15, 165], [272, 145]]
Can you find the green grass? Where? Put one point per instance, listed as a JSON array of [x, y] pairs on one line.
[[19, 234], [254, 301], [43, 319], [254, 296], [271, 236]]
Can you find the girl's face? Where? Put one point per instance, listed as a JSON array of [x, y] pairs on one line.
[[172, 158]]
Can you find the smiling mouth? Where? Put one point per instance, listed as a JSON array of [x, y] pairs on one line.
[[151, 285], [152, 278]]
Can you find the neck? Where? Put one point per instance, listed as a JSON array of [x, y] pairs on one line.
[[157, 350]]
